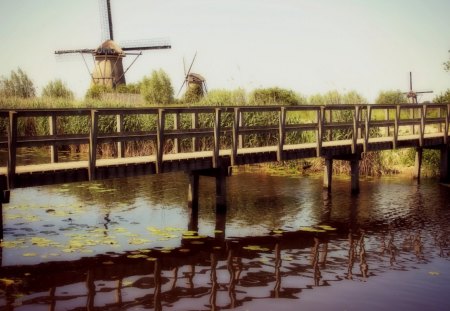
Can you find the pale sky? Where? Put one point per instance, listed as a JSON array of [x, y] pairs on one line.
[[309, 46]]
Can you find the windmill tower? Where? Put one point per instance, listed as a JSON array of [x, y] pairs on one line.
[[412, 95], [108, 57], [193, 80]]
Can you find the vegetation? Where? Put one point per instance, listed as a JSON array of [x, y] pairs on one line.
[[57, 89], [447, 64], [157, 89], [17, 85]]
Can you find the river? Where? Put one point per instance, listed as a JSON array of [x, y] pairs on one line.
[[284, 244]]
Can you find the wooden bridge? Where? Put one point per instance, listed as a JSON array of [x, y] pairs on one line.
[[231, 136]]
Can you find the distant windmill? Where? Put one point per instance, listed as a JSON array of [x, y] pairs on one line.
[[193, 79], [412, 94], [108, 68]]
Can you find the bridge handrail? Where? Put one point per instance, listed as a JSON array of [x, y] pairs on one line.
[[358, 124]]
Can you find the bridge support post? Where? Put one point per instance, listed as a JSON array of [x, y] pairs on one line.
[[445, 167], [221, 191], [327, 173], [354, 171], [418, 164]]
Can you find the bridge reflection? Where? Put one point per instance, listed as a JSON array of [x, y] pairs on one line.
[[212, 272]]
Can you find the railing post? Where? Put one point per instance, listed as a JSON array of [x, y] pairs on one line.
[[194, 126], [386, 116], [447, 119], [319, 132], [93, 144], [241, 122], [216, 150], [330, 135], [396, 126], [235, 138], [176, 126], [120, 144], [423, 112], [282, 133], [367, 128], [160, 139], [53, 132], [356, 118], [12, 148]]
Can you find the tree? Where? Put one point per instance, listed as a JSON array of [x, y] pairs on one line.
[[391, 98], [157, 89], [443, 98], [18, 84], [275, 96], [447, 65], [57, 89]]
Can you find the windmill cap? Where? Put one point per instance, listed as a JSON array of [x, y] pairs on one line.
[[109, 47], [195, 78]]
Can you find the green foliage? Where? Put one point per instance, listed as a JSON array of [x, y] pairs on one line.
[[130, 88], [443, 98], [275, 96], [17, 85], [157, 89], [57, 89], [447, 64], [391, 98], [96, 91]]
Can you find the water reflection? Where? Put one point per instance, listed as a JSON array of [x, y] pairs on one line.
[[257, 251]]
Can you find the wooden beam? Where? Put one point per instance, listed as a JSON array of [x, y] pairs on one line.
[[53, 132], [160, 139], [281, 133], [93, 145], [120, 144], [235, 135], [12, 148], [217, 119]]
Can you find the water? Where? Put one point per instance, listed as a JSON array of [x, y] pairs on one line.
[[133, 244]]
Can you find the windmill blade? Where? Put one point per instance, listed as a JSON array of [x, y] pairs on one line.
[[192, 63], [410, 81], [138, 45], [204, 86], [181, 88], [184, 66], [82, 51], [106, 18]]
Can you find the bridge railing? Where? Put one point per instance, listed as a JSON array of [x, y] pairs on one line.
[[236, 129]]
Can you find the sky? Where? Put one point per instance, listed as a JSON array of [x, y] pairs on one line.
[[309, 46]]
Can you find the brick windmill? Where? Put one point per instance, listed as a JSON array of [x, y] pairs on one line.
[[412, 95], [108, 66]]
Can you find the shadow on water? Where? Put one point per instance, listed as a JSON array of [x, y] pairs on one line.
[[134, 244]]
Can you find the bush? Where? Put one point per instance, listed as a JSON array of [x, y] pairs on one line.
[[57, 89]]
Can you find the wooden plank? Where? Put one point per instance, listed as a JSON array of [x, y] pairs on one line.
[[160, 139], [12, 148], [53, 131], [119, 130], [235, 136], [194, 126], [319, 134], [93, 144], [281, 133], [217, 119], [368, 124]]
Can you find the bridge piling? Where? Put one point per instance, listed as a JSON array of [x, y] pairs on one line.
[[328, 173], [445, 167], [418, 163]]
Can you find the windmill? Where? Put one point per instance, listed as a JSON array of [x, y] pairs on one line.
[[193, 80], [412, 94], [108, 66]]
